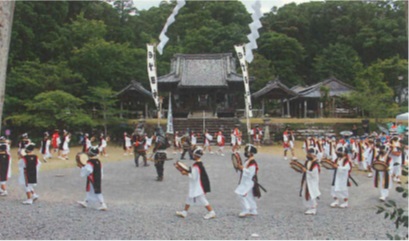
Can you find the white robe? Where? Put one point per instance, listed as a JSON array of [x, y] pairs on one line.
[[245, 189], [91, 196], [65, 146], [340, 188], [196, 194], [128, 143], [193, 140], [208, 138], [195, 189], [313, 183], [246, 183]]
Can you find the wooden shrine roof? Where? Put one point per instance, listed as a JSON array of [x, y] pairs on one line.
[[202, 70]]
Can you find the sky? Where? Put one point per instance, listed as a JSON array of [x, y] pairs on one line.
[[266, 5]]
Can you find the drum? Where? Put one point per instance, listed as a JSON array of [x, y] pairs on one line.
[[297, 166], [183, 139], [81, 158], [380, 166], [328, 164], [236, 160], [182, 167]]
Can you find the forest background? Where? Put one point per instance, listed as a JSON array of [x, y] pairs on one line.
[[68, 58]]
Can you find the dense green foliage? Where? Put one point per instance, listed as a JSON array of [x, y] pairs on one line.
[[60, 49]]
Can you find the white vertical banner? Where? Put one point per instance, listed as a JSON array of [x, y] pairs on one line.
[[169, 126], [247, 95], [153, 79]]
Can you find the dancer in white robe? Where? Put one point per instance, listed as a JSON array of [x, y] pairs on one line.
[[206, 142], [45, 147], [29, 166], [310, 182], [5, 168], [199, 185], [397, 158], [382, 179], [340, 180], [248, 189], [94, 172]]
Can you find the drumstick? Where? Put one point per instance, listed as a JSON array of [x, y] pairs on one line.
[[353, 180], [262, 188]]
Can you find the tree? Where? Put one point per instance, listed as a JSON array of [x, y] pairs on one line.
[[31, 78], [50, 109], [104, 101], [337, 60], [285, 54], [101, 62], [262, 70], [372, 95], [395, 73]]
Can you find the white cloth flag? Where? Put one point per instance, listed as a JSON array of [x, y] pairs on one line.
[[247, 96], [254, 26], [153, 79], [169, 128], [162, 37]]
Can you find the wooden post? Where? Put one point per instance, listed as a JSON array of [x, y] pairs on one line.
[[305, 108], [321, 109], [282, 107], [6, 23], [288, 108]]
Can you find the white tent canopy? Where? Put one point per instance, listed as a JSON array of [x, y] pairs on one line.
[[403, 117]]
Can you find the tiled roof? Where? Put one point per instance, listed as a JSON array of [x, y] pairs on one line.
[[135, 86], [275, 89], [202, 70], [336, 87]]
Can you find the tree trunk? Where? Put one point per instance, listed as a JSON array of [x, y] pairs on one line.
[[6, 22]]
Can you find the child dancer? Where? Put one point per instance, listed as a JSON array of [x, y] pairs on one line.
[[199, 185]]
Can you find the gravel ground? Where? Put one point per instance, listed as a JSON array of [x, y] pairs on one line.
[[141, 208]]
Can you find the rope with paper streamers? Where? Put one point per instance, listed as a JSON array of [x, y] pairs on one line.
[[254, 26], [162, 37]]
